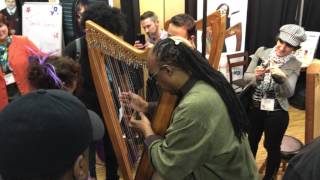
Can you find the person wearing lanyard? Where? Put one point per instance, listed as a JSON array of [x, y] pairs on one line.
[[14, 54], [274, 72]]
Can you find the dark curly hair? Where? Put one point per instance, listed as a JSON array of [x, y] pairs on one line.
[[108, 17], [191, 61], [66, 69]]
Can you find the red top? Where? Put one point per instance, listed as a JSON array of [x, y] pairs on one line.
[[18, 55]]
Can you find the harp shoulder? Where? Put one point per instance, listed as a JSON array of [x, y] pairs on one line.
[[99, 37]]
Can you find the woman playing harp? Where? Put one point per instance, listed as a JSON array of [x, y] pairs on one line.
[[206, 138]]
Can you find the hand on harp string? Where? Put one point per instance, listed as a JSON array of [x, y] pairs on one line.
[[138, 120], [133, 101], [143, 124]]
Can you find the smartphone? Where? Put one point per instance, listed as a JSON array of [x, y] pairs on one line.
[[141, 38]]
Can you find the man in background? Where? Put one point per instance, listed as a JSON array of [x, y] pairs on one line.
[[150, 24], [183, 25], [12, 16]]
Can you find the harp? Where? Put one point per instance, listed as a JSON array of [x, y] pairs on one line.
[[216, 30], [236, 30], [110, 57], [312, 124]]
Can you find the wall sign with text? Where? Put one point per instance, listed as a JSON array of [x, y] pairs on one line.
[[42, 24]]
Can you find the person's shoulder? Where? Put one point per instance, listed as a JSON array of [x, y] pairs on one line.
[[3, 11], [76, 49], [201, 101], [311, 149], [261, 53], [71, 44], [18, 39], [293, 61], [201, 93], [70, 47], [163, 34], [262, 50], [80, 41], [305, 164]]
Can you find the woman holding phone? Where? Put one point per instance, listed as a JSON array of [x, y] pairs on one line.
[[274, 71]]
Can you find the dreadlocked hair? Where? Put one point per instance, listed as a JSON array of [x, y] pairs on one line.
[[175, 53]]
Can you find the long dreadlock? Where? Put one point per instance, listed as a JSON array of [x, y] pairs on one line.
[[172, 52]]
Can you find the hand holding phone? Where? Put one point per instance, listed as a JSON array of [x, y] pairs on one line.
[[141, 38], [259, 72]]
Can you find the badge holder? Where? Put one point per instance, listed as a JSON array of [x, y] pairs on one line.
[[267, 104], [9, 78]]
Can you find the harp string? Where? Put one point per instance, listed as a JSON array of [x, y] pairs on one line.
[[121, 79], [134, 139], [117, 80]]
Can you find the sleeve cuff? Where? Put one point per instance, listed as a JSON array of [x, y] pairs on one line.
[[150, 139]]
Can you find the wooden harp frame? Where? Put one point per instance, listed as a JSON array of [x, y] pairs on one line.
[[312, 123], [100, 43], [216, 25], [236, 30]]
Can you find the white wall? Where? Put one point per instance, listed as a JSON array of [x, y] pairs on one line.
[[2, 4]]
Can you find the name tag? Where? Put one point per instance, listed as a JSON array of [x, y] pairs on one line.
[[267, 104], [9, 79]]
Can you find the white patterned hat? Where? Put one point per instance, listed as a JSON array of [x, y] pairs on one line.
[[292, 34]]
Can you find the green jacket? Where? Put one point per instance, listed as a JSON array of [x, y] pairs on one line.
[[200, 142]]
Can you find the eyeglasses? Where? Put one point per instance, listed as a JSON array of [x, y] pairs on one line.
[[154, 75]]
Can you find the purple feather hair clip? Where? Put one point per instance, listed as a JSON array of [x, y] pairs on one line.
[[42, 57]]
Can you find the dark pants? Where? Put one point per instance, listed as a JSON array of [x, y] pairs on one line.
[[274, 125], [92, 159], [110, 159]]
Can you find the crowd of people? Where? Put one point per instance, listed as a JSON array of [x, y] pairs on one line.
[[51, 119]]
